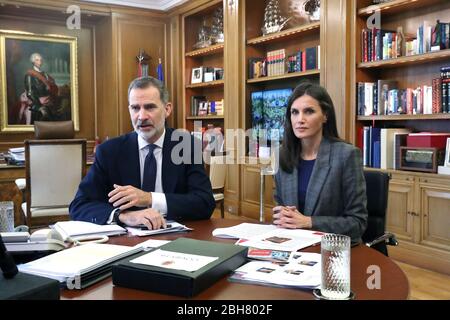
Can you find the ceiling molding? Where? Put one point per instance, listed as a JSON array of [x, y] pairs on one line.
[[163, 5]]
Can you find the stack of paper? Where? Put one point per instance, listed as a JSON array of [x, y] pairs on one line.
[[243, 230], [302, 270], [284, 239], [77, 263], [78, 229], [270, 237], [172, 226]]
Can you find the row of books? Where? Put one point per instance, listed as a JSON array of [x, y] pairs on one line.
[[200, 106], [381, 146], [383, 97], [379, 44], [275, 63]]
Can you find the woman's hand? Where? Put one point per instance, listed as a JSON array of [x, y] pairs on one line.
[[289, 217]]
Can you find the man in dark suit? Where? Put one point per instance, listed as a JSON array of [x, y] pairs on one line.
[[146, 176]]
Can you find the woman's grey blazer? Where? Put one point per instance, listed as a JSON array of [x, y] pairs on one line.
[[336, 194]]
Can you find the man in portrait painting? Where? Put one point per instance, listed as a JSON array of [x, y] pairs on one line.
[[39, 101]]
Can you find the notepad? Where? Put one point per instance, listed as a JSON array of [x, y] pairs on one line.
[[91, 262], [74, 229]]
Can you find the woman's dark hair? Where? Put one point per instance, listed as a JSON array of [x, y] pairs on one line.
[[291, 149]]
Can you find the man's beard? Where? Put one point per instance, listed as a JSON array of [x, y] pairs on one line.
[[146, 135]]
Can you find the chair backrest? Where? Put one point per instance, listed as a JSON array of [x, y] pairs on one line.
[[217, 171], [377, 189], [54, 169], [54, 130]]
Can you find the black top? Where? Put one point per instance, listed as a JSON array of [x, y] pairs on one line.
[[304, 170]]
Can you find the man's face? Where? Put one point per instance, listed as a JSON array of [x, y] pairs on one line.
[[148, 113], [38, 61]]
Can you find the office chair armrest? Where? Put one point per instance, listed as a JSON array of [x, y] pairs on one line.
[[390, 237]]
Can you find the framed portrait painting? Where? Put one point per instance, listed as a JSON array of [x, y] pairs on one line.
[[38, 80]]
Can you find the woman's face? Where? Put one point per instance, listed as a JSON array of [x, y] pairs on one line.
[[307, 118]]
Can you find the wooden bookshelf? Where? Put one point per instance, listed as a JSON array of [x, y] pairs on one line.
[[408, 60], [285, 35], [396, 6], [418, 201], [217, 83], [204, 117], [285, 76], [400, 117], [214, 49], [211, 56]]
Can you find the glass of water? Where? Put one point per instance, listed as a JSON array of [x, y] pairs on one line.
[[6, 216], [335, 252]]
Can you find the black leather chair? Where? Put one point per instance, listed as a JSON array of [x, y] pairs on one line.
[[377, 188]]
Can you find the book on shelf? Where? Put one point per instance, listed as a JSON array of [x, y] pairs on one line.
[[399, 141], [268, 111], [379, 44], [387, 146]]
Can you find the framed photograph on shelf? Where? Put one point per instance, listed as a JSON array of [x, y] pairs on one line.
[[197, 75], [447, 154], [39, 80]]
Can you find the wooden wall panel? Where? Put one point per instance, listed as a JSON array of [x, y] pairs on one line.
[[85, 71], [132, 34]]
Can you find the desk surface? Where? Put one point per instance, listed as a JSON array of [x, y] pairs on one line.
[[394, 284]]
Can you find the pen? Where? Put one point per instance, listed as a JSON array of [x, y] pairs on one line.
[[146, 228]]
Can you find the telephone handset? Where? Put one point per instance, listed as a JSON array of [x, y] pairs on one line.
[[40, 240]]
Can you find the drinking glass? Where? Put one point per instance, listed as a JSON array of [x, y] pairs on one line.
[[335, 252], [6, 216]]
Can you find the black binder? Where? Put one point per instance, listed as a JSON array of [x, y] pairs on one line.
[[179, 282], [29, 287]]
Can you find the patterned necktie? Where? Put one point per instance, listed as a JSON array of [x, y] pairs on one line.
[[148, 184]]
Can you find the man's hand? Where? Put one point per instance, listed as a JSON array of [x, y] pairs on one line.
[[290, 218], [126, 197], [151, 218]]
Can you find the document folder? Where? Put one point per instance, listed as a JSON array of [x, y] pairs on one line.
[[180, 282], [29, 287]]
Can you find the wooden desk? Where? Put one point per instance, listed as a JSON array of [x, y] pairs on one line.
[[394, 284]]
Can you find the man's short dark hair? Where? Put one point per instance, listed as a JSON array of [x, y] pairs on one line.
[[146, 82]]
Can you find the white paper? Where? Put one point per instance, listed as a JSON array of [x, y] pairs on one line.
[[152, 243], [77, 260], [70, 229], [244, 230], [174, 260], [284, 239], [302, 271], [174, 227]]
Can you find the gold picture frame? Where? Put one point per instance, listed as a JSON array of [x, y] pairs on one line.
[[39, 80]]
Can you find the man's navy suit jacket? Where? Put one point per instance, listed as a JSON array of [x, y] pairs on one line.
[[186, 186]]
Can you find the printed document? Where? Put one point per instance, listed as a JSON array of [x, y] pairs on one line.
[[172, 226], [174, 260], [284, 239], [77, 261], [244, 230], [302, 270]]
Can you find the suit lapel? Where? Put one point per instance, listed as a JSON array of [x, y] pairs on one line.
[[168, 168], [130, 172], [318, 177]]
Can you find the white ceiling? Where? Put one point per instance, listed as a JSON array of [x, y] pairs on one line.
[[147, 4]]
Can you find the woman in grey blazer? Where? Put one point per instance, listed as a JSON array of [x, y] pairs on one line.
[[320, 183]]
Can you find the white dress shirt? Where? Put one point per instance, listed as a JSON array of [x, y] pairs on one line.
[[159, 202]]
